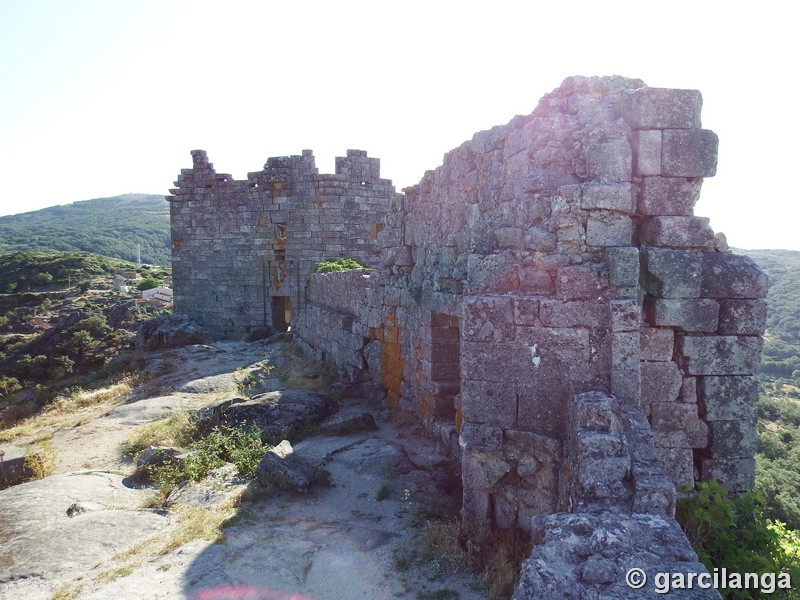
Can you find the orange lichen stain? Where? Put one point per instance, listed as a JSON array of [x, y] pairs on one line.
[[391, 358], [425, 406], [459, 421], [176, 245]]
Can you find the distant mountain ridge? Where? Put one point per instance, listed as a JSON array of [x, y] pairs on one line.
[[108, 226]]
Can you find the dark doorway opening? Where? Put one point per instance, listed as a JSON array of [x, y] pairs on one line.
[[281, 313]]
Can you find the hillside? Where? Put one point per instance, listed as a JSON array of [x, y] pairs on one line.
[[782, 343], [61, 322], [108, 226], [778, 409]]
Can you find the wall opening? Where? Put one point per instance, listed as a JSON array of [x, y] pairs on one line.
[[281, 313], [445, 365]]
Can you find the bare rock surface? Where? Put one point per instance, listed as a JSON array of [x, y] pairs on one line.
[[341, 540], [45, 537], [278, 414]]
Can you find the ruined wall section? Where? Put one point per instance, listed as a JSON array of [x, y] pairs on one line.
[[216, 221], [243, 251], [704, 312], [554, 256], [507, 243]]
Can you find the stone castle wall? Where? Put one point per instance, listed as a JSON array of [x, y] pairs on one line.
[[554, 256], [242, 251], [549, 306]]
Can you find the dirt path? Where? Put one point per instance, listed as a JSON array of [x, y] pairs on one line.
[[383, 528]]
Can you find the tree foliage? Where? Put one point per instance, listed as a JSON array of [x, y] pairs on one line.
[[734, 533], [114, 227]]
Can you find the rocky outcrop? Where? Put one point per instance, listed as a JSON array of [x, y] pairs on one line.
[[169, 331], [278, 415]]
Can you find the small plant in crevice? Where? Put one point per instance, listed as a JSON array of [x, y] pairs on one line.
[[382, 493], [435, 551], [498, 557], [248, 381]]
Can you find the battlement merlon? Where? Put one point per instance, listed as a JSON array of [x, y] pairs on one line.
[[355, 168]]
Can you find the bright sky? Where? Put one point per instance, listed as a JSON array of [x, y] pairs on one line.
[[105, 97]]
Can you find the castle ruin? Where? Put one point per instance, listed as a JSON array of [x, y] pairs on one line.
[[545, 302]]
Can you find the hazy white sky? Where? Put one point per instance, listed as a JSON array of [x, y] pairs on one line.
[[105, 97]]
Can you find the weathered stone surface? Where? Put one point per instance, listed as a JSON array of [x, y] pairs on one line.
[[275, 414], [647, 152], [661, 382], [580, 282], [488, 402], [728, 398], [673, 273], [689, 153], [736, 474], [559, 565], [610, 161], [573, 313], [721, 355], [606, 228], [348, 422], [678, 464], [677, 425], [488, 319], [733, 439], [169, 331], [40, 539], [480, 438], [657, 344], [663, 108], [282, 469], [526, 311], [626, 315], [742, 317], [732, 276], [617, 197], [491, 274], [668, 195], [679, 232], [685, 314], [623, 266], [626, 379]]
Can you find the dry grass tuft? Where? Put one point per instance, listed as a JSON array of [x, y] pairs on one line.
[[197, 523], [499, 559], [72, 409], [177, 429]]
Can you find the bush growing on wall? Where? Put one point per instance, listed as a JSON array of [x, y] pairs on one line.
[[338, 264]]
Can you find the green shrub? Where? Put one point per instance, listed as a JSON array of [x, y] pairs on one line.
[[96, 326], [42, 279], [148, 283], [224, 444], [338, 264], [9, 385], [732, 533]]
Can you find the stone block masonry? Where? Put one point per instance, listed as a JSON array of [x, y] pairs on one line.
[[545, 302], [242, 251]]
